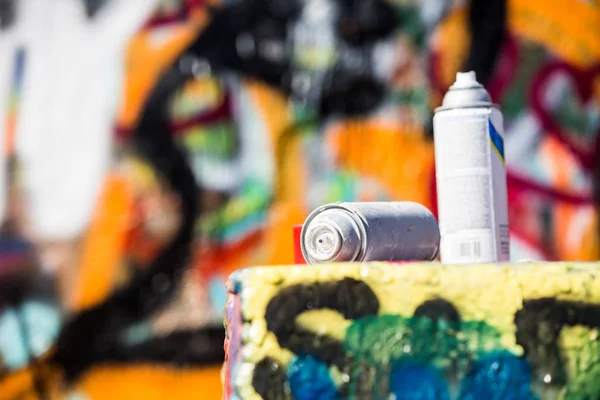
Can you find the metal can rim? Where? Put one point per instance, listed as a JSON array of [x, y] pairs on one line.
[[332, 206], [472, 105]]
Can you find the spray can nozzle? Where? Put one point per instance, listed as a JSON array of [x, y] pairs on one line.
[[465, 80], [466, 77], [466, 91]]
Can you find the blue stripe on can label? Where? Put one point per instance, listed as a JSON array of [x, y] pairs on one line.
[[497, 140]]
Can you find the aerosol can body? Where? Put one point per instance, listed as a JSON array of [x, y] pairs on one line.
[[471, 175], [370, 231]]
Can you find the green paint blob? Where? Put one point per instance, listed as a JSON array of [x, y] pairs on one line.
[[386, 339]]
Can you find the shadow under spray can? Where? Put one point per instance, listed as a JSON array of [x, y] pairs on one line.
[[370, 231], [471, 175]]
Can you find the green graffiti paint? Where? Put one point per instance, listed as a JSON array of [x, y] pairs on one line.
[[582, 363], [218, 140], [388, 338]]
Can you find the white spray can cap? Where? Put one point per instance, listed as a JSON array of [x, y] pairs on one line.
[[466, 92]]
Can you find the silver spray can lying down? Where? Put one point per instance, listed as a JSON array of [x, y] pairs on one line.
[[471, 175], [370, 231]]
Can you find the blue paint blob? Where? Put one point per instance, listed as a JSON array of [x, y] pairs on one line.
[[410, 380], [309, 379], [499, 376]]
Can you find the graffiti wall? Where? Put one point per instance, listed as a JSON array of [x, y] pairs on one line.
[[359, 331], [151, 148]]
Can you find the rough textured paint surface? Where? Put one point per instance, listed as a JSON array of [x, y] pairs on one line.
[[309, 379], [498, 376], [520, 331], [410, 380]]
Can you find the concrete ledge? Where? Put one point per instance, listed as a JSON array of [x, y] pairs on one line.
[[371, 331]]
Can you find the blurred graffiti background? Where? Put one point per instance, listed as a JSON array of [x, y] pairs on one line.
[[151, 147]]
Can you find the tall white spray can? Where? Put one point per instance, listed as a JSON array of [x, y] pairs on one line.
[[471, 175]]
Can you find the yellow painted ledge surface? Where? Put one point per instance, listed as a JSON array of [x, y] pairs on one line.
[[484, 291], [489, 293]]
